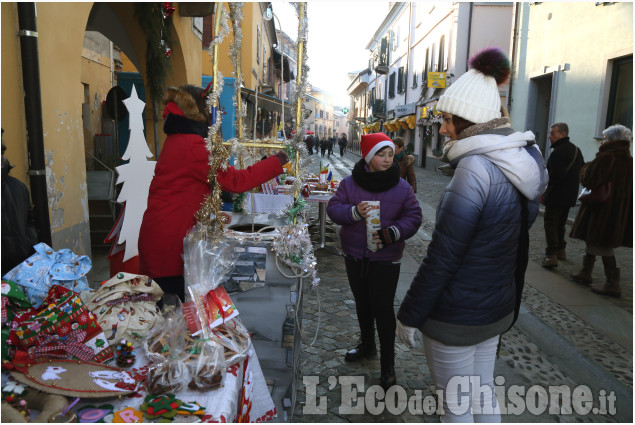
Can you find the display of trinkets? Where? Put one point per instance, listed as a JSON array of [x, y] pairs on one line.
[[124, 354]]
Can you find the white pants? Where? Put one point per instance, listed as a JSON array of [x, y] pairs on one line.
[[463, 401]]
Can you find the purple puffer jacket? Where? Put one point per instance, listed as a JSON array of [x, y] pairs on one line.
[[398, 207]]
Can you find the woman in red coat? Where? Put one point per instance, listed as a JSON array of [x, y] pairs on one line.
[[180, 184]]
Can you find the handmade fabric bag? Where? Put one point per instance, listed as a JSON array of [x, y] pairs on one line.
[[61, 328], [125, 306], [13, 300], [46, 268]]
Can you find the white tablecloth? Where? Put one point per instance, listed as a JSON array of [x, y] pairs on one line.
[[263, 203]]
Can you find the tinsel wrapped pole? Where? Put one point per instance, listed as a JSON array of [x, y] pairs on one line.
[[236, 16], [298, 111], [209, 213]]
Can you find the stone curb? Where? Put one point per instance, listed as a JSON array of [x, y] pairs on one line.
[[578, 366]]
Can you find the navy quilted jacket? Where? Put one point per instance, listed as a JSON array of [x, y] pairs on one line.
[[467, 276]]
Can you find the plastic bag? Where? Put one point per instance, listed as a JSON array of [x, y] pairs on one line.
[[166, 346], [234, 337], [207, 264], [206, 365]]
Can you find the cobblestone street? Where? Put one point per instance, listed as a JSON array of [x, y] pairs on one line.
[[331, 310]]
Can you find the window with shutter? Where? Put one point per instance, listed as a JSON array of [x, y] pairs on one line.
[[391, 86], [400, 80]]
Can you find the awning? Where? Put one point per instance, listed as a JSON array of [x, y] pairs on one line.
[[288, 74], [267, 102]]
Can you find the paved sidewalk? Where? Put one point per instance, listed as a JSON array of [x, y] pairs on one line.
[[566, 334]]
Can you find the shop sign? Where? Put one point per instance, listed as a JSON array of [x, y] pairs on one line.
[[436, 80], [408, 109]]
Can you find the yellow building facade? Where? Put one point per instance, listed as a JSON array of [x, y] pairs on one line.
[[73, 87]]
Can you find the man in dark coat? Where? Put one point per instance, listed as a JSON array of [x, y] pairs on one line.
[[342, 142], [309, 144], [564, 166], [18, 224]]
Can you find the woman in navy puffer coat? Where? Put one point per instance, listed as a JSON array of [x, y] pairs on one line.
[[464, 294], [373, 274]]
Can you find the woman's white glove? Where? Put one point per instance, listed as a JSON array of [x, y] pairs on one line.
[[406, 334]]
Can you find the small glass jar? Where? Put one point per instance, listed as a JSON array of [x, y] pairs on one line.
[[57, 417]]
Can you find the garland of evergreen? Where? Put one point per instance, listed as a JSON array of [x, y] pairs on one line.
[[158, 35]]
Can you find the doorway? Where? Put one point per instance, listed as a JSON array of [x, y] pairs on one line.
[[541, 105]]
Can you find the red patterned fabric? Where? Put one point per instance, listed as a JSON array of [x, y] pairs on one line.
[[62, 327]]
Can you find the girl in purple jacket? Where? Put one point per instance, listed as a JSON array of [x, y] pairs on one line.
[[373, 275]]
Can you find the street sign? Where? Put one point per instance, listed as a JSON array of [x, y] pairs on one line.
[[345, 110], [436, 80]]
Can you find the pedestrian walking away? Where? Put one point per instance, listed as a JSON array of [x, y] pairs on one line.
[[329, 145], [373, 257], [342, 143], [407, 171], [564, 166], [467, 290], [308, 140], [323, 146], [605, 226]]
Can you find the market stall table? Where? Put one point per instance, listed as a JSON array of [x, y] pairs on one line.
[[242, 397]]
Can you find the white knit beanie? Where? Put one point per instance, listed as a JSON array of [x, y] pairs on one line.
[[474, 96]]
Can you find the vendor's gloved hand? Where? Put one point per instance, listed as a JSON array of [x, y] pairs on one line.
[[387, 235], [282, 157], [405, 334]]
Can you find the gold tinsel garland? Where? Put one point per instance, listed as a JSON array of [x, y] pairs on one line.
[[213, 225]]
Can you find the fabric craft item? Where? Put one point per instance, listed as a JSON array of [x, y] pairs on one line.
[[62, 328], [13, 299], [128, 415], [46, 268], [162, 406], [125, 306], [77, 379], [95, 414], [372, 143]]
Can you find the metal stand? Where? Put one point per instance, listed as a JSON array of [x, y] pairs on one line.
[[322, 243]]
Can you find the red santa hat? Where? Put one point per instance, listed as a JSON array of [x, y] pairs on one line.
[[372, 143]]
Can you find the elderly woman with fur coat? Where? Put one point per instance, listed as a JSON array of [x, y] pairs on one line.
[[180, 184], [606, 226]]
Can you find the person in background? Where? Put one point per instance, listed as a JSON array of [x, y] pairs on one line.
[[323, 146], [606, 226], [373, 276], [330, 142], [180, 185], [465, 292], [18, 223], [407, 171], [343, 142], [309, 144], [564, 166]]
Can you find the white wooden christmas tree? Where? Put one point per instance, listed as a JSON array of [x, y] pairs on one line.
[[136, 177]]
